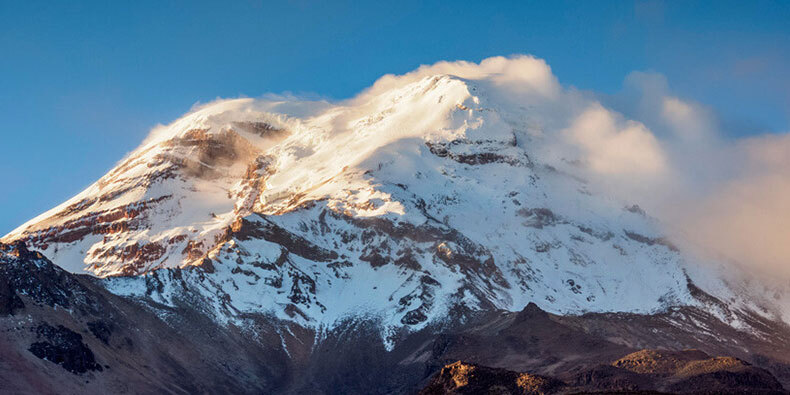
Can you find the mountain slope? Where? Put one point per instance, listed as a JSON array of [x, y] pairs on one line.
[[64, 332]]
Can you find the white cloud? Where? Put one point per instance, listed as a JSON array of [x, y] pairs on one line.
[[686, 120], [745, 217], [522, 72], [616, 147]]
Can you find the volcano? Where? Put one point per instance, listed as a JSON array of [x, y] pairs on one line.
[[365, 246]]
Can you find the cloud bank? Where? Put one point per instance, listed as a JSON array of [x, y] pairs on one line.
[[746, 215]]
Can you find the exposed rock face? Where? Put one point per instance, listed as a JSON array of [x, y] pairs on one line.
[[172, 185], [64, 347], [658, 362], [645, 371], [464, 378], [695, 371]]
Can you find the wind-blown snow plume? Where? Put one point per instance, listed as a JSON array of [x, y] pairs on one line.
[[519, 74]]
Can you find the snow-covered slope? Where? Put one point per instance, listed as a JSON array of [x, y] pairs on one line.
[[428, 198]]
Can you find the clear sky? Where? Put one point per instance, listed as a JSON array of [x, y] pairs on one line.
[[82, 82]]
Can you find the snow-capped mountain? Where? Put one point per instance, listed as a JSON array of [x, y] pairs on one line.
[[423, 199]]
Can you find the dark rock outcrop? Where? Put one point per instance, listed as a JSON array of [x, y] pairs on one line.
[[465, 378], [645, 371], [64, 347]]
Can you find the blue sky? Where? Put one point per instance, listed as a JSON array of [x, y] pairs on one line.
[[81, 83]]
